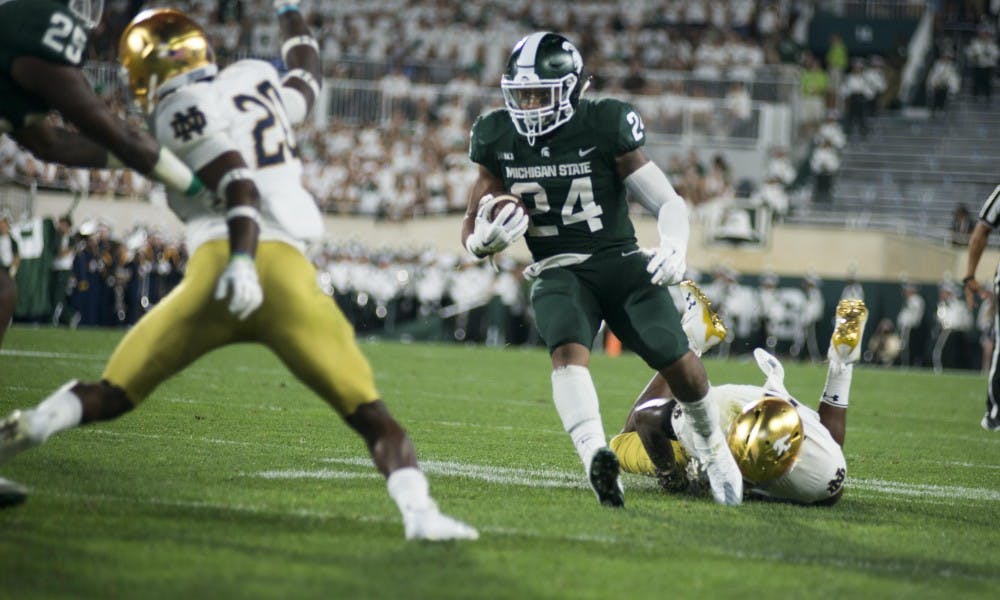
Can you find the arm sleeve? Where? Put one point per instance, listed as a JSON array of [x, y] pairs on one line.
[[651, 188]]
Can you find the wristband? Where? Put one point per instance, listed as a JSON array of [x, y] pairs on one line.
[[195, 187], [287, 6], [174, 173], [239, 173], [306, 78], [240, 255], [244, 210], [967, 279], [294, 42]]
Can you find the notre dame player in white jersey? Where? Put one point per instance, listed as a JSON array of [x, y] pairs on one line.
[[233, 127], [786, 451]]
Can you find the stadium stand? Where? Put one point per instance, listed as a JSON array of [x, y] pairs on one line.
[[732, 92]]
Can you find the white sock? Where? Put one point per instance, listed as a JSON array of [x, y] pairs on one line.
[[408, 487], [575, 397], [838, 384], [703, 415], [62, 410]]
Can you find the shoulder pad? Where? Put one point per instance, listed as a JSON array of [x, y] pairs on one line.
[[491, 126], [250, 65], [608, 111]]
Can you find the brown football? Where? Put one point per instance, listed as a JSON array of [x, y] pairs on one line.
[[502, 200]]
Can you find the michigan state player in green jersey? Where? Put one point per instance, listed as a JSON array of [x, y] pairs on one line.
[[43, 44], [573, 162]]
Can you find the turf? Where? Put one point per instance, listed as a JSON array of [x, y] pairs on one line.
[[234, 481]]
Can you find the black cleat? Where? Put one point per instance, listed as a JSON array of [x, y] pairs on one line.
[[604, 470], [11, 494]]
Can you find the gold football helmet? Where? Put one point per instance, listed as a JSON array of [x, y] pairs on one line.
[[159, 45], [765, 439]]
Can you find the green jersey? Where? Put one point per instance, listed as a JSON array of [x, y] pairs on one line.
[[42, 28], [568, 179]]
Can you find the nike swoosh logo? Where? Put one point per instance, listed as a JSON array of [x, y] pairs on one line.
[[632, 252], [587, 151]]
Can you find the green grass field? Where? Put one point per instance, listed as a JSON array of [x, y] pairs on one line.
[[233, 481]]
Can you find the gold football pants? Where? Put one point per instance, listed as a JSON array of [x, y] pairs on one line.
[[633, 457], [297, 321]]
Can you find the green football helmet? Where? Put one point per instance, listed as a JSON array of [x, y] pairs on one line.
[[542, 83], [88, 11]]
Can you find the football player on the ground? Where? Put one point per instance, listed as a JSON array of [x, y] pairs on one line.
[[785, 450], [234, 127], [572, 161], [43, 44]]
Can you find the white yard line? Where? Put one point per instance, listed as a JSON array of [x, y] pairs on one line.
[[553, 478], [60, 355], [556, 478]]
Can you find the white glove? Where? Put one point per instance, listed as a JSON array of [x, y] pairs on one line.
[[489, 237], [667, 265], [240, 276]]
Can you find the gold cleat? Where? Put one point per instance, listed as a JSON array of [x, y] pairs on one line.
[[703, 326], [845, 344]]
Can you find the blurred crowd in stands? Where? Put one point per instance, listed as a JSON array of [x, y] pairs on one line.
[[87, 276], [429, 68], [699, 64]]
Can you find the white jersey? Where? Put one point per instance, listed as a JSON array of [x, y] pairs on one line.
[[817, 473], [242, 109]]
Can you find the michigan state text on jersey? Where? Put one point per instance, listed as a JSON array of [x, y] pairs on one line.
[[573, 162], [567, 179]]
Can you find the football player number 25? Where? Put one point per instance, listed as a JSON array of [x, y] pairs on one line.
[[580, 196], [272, 121], [65, 37]]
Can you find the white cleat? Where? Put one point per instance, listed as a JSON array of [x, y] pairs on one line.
[[15, 435], [845, 343], [724, 475], [434, 526], [774, 384], [700, 322]]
